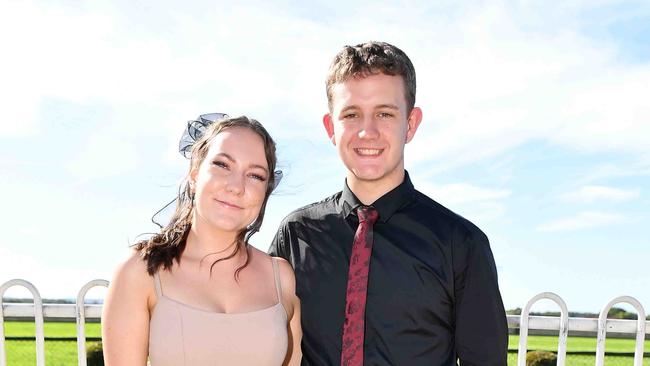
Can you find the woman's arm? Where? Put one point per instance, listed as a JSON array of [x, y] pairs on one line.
[[292, 304], [125, 316]]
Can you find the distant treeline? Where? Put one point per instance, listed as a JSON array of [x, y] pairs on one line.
[[614, 313]]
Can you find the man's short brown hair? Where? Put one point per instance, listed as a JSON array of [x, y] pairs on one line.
[[371, 58]]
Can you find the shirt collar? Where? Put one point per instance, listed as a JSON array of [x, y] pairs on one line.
[[386, 205]]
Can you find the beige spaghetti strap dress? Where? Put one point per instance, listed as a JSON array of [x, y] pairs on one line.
[[180, 334]]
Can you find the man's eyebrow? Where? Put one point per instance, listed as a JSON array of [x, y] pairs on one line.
[[350, 107], [230, 158], [389, 106], [355, 107]]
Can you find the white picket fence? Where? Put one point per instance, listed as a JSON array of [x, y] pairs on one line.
[[524, 322], [38, 310], [601, 326]]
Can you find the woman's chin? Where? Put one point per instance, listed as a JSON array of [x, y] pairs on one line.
[[227, 226]]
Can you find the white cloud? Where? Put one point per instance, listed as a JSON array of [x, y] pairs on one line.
[[60, 237], [609, 170], [461, 193], [594, 193], [500, 85], [479, 204], [583, 220], [103, 155], [487, 85], [95, 53], [50, 279]]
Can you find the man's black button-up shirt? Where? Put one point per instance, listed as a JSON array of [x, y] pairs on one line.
[[433, 296]]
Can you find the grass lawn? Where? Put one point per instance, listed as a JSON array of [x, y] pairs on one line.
[[549, 343], [23, 353], [575, 344], [51, 329], [584, 360], [64, 353], [57, 353]]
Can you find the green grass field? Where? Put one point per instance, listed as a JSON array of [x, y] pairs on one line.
[[28, 329], [64, 353], [584, 360], [576, 344], [580, 344], [57, 353]]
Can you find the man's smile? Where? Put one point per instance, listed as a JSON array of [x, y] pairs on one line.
[[368, 152]]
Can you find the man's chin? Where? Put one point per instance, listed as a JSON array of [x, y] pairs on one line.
[[375, 175], [367, 175]]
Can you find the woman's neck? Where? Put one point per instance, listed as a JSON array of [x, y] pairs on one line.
[[204, 241]]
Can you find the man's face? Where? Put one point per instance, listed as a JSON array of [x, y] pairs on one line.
[[369, 124]]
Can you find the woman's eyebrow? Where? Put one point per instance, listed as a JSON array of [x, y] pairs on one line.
[[225, 155], [260, 167]]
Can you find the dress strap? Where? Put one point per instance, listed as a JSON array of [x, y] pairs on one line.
[[157, 285], [276, 274]]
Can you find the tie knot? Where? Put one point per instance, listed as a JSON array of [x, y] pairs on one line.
[[367, 214]]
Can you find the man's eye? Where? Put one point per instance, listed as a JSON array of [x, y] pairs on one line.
[[385, 115], [349, 116]]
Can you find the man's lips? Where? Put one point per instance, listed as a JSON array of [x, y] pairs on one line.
[[228, 204], [370, 152]]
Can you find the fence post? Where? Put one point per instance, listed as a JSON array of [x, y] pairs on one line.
[[38, 320], [640, 330], [564, 328], [81, 319]]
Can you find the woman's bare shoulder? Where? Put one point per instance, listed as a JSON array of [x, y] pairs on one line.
[[132, 273], [287, 277]]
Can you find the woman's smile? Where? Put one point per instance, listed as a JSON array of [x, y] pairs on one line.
[[228, 204]]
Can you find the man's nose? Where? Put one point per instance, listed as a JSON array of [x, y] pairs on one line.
[[369, 129]]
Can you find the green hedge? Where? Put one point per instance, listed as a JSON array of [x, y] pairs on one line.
[[541, 358]]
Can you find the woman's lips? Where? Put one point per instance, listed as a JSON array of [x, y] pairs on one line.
[[228, 204]]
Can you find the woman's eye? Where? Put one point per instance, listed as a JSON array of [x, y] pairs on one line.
[[258, 177], [220, 164]]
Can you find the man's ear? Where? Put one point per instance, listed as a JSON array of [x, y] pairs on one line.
[[329, 127], [413, 122]]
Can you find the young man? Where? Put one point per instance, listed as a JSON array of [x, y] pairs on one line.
[[386, 275]]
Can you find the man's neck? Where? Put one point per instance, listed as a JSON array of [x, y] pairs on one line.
[[369, 191]]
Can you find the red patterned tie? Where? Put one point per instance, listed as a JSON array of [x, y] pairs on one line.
[[355, 297]]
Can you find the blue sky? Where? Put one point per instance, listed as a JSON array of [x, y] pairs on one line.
[[536, 126]]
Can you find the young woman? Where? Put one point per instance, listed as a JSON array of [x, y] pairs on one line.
[[197, 293]]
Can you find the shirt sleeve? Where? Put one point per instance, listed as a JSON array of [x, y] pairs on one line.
[[279, 246], [481, 335]]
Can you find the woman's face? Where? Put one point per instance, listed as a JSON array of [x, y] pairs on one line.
[[230, 183]]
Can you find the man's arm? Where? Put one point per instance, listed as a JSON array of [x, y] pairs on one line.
[[280, 244], [481, 333]]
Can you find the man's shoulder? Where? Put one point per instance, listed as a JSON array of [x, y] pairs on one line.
[[450, 219], [315, 210]]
